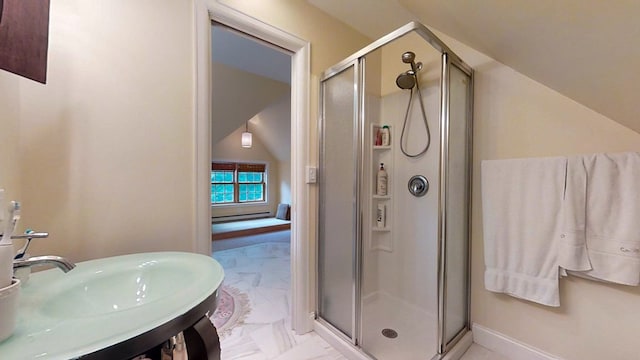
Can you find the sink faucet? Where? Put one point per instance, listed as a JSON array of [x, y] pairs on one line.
[[21, 261], [60, 262]]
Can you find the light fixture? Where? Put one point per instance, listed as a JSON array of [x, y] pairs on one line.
[[246, 136]]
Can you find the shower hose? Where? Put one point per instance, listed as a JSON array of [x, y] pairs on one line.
[[406, 118]]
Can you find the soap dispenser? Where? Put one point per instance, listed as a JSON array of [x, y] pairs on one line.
[[381, 181]]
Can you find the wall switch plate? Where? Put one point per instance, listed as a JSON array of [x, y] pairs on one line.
[[311, 175]]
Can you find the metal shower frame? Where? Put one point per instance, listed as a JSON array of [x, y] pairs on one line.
[[449, 58]]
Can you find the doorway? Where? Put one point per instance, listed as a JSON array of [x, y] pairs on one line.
[[301, 234], [250, 136]]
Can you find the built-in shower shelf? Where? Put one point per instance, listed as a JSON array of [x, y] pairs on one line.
[[380, 238], [382, 197], [382, 247]]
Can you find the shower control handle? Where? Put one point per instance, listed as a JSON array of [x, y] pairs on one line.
[[418, 185]]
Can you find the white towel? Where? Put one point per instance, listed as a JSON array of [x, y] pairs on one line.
[[521, 206], [612, 224], [572, 250]]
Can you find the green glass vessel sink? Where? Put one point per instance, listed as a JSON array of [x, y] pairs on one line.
[[107, 301]]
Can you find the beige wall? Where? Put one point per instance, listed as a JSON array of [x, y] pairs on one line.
[[229, 149], [106, 147], [273, 127], [285, 182], [107, 144], [517, 117], [9, 136]]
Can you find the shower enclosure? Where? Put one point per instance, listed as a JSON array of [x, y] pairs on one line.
[[393, 267]]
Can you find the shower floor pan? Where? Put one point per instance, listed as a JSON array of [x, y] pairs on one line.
[[416, 329]]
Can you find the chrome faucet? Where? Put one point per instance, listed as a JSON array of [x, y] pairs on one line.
[[60, 262], [29, 235], [20, 261]]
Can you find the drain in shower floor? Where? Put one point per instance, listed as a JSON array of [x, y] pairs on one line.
[[390, 333]]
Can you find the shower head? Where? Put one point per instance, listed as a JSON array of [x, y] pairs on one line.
[[408, 57], [406, 80]]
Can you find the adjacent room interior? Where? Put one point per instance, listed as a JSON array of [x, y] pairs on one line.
[[251, 146], [251, 187]]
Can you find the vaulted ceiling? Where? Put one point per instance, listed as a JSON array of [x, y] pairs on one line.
[[587, 50], [251, 85]]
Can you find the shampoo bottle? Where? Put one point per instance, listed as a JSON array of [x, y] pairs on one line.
[[386, 136], [381, 181]]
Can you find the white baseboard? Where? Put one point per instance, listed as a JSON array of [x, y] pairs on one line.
[[506, 346], [239, 217]]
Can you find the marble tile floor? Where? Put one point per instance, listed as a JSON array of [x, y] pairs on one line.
[[262, 272]]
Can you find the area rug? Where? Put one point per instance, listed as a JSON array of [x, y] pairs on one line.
[[233, 308]]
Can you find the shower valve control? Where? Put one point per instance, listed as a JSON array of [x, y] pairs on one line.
[[418, 185]]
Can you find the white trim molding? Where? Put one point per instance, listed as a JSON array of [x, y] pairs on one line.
[[202, 128], [206, 11], [506, 346]]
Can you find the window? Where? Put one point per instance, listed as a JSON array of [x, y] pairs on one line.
[[237, 183]]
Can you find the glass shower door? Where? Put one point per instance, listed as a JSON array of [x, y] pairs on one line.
[[457, 204], [338, 225]]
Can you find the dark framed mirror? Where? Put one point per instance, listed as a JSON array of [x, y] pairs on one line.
[[24, 37]]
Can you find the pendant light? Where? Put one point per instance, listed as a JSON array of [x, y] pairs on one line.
[[246, 137]]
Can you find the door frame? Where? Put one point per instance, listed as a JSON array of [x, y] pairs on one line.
[[302, 277]]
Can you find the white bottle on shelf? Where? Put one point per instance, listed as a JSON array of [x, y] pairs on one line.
[[386, 136], [381, 216], [381, 181]]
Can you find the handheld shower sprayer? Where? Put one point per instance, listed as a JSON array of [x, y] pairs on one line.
[[409, 57], [407, 81]]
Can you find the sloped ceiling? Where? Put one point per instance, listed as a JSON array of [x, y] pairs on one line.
[[243, 53], [237, 96], [273, 127], [251, 82], [587, 50]]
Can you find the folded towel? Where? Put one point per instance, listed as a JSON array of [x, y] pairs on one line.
[[521, 206], [572, 250], [612, 221]]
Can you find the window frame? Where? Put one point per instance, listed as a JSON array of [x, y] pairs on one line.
[[237, 168]]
